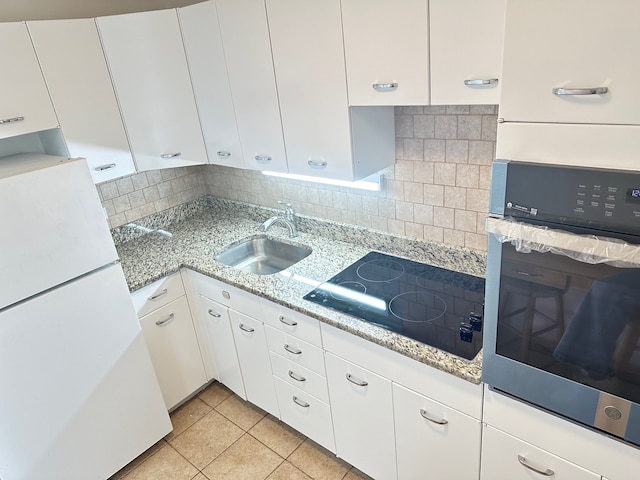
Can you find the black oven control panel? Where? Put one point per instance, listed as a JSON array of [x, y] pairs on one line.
[[595, 198]]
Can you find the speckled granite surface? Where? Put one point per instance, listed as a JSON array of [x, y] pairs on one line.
[[193, 241]]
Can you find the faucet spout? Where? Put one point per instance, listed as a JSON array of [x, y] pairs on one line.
[[292, 227]]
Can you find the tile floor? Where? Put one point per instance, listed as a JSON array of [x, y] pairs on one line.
[[217, 435]]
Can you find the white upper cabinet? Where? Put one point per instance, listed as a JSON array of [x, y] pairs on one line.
[[76, 74], [146, 57], [561, 55], [25, 105], [386, 45], [203, 44], [322, 135], [466, 51], [245, 38]]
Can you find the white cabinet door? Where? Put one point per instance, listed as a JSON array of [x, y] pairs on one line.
[[386, 45], [504, 456], [253, 356], [203, 44], [25, 105], [577, 46], [362, 411], [148, 65], [466, 51], [433, 440], [173, 346], [76, 73], [245, 38], [221, 346]]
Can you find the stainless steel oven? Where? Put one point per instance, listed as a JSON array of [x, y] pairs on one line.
[[562, 306]]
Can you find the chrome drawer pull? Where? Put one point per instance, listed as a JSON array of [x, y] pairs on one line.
[[106, 166], [170, 155], [246, 329], [291, 323], [296, 377], [313, 164], [295, 351], [360, 383], [161, 323], [158, 295], [11, 120], [226, 294], [527, 274], [223, 154], [384, 87], [263, 158], [481, 81], [427, 416], [300, 402], [523, 461], [579, 91], [214, 313]]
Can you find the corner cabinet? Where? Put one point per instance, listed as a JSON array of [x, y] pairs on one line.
[[323, 136], [78, 80], [466, 51], [386, 45], [25, 105], [146, 58]]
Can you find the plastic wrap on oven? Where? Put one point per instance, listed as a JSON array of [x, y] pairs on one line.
[[590, 249]]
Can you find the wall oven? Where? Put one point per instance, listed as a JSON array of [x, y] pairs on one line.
[[562, 306]]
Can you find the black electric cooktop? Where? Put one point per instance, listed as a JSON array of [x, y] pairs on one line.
[[432, 305]]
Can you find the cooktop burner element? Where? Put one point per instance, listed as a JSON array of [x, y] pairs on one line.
[[429, 304]]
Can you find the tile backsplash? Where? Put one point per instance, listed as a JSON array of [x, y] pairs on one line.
[[437, 190]]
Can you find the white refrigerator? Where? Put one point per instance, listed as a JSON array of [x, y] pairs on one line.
[[78, 394]]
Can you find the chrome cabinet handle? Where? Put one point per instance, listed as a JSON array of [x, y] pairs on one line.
[[223, 154], [11, 120], [226, 294], [579, 91], [523, 461], [296, 377], [295, 351], [300, 402], [161, 323], [170, 155], [384, 87], [242, 326], [158, 295], [313, 164], [106, 166], [355, 381], [480, 81], [214, 313], [527, 274], [427, 415], [263, 158], [291, 323]]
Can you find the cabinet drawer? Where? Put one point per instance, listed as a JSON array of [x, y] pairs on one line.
[[229, 296], [300, 377], [296, 350], [306, 414], [293, 323], [157, 294]]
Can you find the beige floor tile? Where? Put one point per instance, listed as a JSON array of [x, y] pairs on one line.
[[277, 435], [138, 460], [355, 474], [187, 415], [287, 471], [165, 464], [243, 414], [200, 476], [206, 439], [317, 462], [247, 459], [215, 394]]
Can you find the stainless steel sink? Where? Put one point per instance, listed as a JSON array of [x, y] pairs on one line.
[[262, 255]]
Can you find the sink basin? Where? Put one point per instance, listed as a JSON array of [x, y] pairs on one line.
[[262, 255]]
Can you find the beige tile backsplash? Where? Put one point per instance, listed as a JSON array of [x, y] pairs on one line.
[[438, 189]]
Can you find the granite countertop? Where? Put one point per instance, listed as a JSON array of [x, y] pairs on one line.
[[192, 240]]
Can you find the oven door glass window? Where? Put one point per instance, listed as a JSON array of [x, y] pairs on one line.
[[576, 320]]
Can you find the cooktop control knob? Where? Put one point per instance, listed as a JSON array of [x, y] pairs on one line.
[[466, 332], [475, 320]]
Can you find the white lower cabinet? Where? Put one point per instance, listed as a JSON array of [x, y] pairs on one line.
[[362, 410], [504, 456], [434, 439]]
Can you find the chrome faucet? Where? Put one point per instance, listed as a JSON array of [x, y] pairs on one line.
[[289, 220]]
